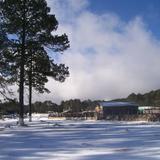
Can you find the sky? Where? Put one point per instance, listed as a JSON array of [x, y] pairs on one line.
[[114, 48], [128, 9]]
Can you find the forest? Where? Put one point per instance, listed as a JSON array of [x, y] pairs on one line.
[[77, 105]]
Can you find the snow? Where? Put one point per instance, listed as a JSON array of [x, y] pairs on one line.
[[45, 139]]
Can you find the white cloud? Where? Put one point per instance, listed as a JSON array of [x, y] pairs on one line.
[[108, 58]]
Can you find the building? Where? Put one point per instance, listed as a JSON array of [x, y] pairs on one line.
[[149, 109], [107, 109]]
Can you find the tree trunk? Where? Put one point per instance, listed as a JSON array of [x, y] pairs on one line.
[[30, 94], [30, 103], [21, 94], [22, 61]]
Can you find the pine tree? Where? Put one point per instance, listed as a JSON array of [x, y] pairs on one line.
[[39, 68], [29, 22], [6, 74]]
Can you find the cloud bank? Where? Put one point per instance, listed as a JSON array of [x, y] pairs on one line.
[[108, 58]]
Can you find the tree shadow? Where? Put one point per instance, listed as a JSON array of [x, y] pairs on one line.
[[79, 141]]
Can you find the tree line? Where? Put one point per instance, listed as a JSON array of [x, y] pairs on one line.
[[27, 31], [73, 105], [76, 105], [151, 98]]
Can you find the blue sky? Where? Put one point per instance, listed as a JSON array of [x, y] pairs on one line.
[[114, 48], [149, 10]]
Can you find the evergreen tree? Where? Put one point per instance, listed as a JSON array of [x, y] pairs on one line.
[[40, 66], [29, 22], [6, 70]]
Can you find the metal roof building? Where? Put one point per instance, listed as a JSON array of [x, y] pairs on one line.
[[117, 104], [118, 108]]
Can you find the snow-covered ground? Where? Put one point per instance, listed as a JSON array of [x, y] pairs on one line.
[[79, 140]]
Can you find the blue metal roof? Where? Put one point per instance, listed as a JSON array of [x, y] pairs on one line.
[[117, 104]]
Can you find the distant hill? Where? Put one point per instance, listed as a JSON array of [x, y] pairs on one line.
[[152, 98]]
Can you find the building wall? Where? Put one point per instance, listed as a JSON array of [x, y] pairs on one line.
[[120, 110]]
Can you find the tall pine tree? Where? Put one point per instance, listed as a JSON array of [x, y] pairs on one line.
[[30, 21], [6, 74], [39, 67]]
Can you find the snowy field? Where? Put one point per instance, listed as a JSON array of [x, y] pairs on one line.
[[79, 140]]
